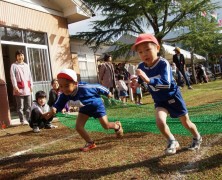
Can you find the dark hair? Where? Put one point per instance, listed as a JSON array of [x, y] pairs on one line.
[[18, 52], [106, 57], [120, 77], [40, 94], [52, 82]]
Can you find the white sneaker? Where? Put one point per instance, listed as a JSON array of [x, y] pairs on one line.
[[36, 129], [24, 122], [50, 126], [195, 144], [172, 147]]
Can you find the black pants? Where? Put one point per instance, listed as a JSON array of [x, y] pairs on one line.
[[37, 120]]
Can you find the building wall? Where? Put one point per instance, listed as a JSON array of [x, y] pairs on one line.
[[12, 15]]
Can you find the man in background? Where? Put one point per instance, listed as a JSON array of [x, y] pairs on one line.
[[179, 60]]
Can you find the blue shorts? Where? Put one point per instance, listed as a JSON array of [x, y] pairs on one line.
[[96, 110], [123, 93], [175, 106]]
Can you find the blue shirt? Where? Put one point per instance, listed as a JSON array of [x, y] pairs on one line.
[[85, 96], [162, 85]]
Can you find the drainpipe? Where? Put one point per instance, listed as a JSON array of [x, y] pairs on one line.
[[4, 110]]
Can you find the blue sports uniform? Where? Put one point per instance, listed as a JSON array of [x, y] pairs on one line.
[[163, 87], [87, 97]]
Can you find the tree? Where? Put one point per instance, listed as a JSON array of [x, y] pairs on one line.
[[202, 36], [133, 17]]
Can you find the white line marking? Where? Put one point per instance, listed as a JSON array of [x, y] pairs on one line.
[[190, 167], [19, 153]]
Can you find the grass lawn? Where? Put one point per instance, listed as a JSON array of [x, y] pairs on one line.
[[54, 154]]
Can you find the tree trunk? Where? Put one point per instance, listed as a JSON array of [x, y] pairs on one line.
[[193, 67]]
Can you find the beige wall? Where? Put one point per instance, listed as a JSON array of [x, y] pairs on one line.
[[56, 28]]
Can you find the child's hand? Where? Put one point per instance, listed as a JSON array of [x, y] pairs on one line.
[[53, 111], [63, 111], [110, 95], [142, 75], [47, 115]]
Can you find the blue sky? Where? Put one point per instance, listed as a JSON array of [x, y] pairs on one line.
[[83, 25]]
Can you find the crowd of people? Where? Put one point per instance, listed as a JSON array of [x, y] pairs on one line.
[[115, 81], [119, 80], [200, 75]]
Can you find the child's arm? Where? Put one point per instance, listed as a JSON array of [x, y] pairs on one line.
[[143, 76], [47, 115], [50, 113]]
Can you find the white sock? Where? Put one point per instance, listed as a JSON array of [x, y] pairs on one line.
[[171, 138]]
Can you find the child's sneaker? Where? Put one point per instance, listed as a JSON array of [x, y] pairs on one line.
[[119, 132], [88, 146], [50, 126], [172, 147], [195, 144], [24, 122], [36, 129]]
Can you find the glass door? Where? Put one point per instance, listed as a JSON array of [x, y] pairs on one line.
[[38, 60]]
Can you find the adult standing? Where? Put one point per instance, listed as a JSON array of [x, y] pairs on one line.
[[179, 60], [22, 86], [107, 74]]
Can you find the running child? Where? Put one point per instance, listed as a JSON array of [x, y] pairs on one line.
[[87, 97], [157, 73]]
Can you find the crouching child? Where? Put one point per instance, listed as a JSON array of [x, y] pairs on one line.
[[40, 113]]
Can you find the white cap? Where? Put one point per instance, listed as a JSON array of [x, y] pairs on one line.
[[133, 77], [68, 74]]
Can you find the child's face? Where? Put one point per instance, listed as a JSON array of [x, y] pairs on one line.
[[55, 85], [66, 86], [20, 58], [147, 52], [41, 101], [134, 80]]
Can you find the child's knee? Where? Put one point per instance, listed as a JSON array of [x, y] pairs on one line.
[[187, 123], [159, 122], [79, 128]]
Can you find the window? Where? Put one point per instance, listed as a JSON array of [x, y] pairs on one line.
[[34, 37], [9, 34], [87, 67]]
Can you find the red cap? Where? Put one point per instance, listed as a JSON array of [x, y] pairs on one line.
[[145, 38]]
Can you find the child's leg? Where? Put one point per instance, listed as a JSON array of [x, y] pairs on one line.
[[185, 120], [80, 124], [197, 139], [111, 125], [123, 99], [161, 116], [135, 97], [139, 98], [106, 124], [35, 118], [172, 144]]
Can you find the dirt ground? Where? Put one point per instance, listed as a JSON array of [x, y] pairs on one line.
[[54, 154]]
